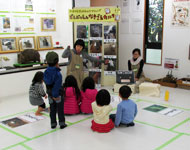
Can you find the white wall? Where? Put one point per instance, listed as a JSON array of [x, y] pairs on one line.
[[63, 33], [18, 83], [82, 3], [175, 45]]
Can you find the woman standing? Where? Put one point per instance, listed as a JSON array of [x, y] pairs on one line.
[[76, 56]]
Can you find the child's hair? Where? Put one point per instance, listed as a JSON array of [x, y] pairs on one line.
[[38, 77], [70, 81], [79, 42], [103, 97], [125, 92], [88, 83], [137, 50]]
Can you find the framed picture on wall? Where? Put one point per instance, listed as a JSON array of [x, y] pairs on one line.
[[27, 42], [44, 42], [8, 45], [48, 24]]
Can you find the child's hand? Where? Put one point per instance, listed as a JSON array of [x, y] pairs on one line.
[[56, 99], [45, 96]]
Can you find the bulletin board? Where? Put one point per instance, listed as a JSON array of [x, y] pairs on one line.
[[101, 41]]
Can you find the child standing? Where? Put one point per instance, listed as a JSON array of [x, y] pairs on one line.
[[88, 95], [101, 110], [126, 110], [71, 95], [53, 81], [36, 93]]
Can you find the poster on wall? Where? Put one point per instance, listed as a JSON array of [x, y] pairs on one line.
[[96, 46], [110, 68], [23, 24], [124, 26], [85, 64], [125, 6], [5, 5], [107, 14], [45, 6], [96, 32], [136, 26], [95, 66], [137, 5], [180, 13], [23, 5], [82, 32], [5, 24], [97, 77], [109, 33], [110, 48], [171, 63]]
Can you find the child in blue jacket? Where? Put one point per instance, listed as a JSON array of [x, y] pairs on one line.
[[53, 81]]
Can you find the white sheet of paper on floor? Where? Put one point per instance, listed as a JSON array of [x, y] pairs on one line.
[[115, 98], [31, 117], [170, 112]]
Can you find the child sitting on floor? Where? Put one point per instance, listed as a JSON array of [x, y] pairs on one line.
[[126, 110], [101, 109], [36, 93], [71, 95], [88, 95]]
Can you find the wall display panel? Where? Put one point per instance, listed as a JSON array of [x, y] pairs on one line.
[[5, 5], [23, 5], [102, 43], [23, 23], [5, 24], [45, 6]]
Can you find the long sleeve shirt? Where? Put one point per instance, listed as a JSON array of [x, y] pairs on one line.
[[67, 54], [126, 112], [101, 113], [140, 69]]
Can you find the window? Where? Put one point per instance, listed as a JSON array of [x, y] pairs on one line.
[[153, 32]]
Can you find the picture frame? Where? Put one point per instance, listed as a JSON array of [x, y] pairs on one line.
[[27, 42], [8, 45], [45, 42], [48, 24]]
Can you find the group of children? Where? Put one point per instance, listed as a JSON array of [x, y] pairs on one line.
[[69, 99]]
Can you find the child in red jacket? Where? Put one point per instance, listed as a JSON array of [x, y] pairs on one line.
[[71, 95], [88, 95]]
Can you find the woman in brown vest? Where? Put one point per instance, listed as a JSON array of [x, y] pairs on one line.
[[75, 64], [136, 64]]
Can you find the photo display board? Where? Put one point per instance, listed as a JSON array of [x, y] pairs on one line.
[[101, 42]]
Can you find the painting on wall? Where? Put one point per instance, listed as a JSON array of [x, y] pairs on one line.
[[48, 24], [8, 44], [27, 42], [180, 13], [44, 42]]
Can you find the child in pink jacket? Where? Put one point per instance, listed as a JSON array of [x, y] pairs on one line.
[[88, 95], [71, 95]]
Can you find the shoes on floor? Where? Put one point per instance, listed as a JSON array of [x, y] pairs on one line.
[[53, 127], [63, 126]]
